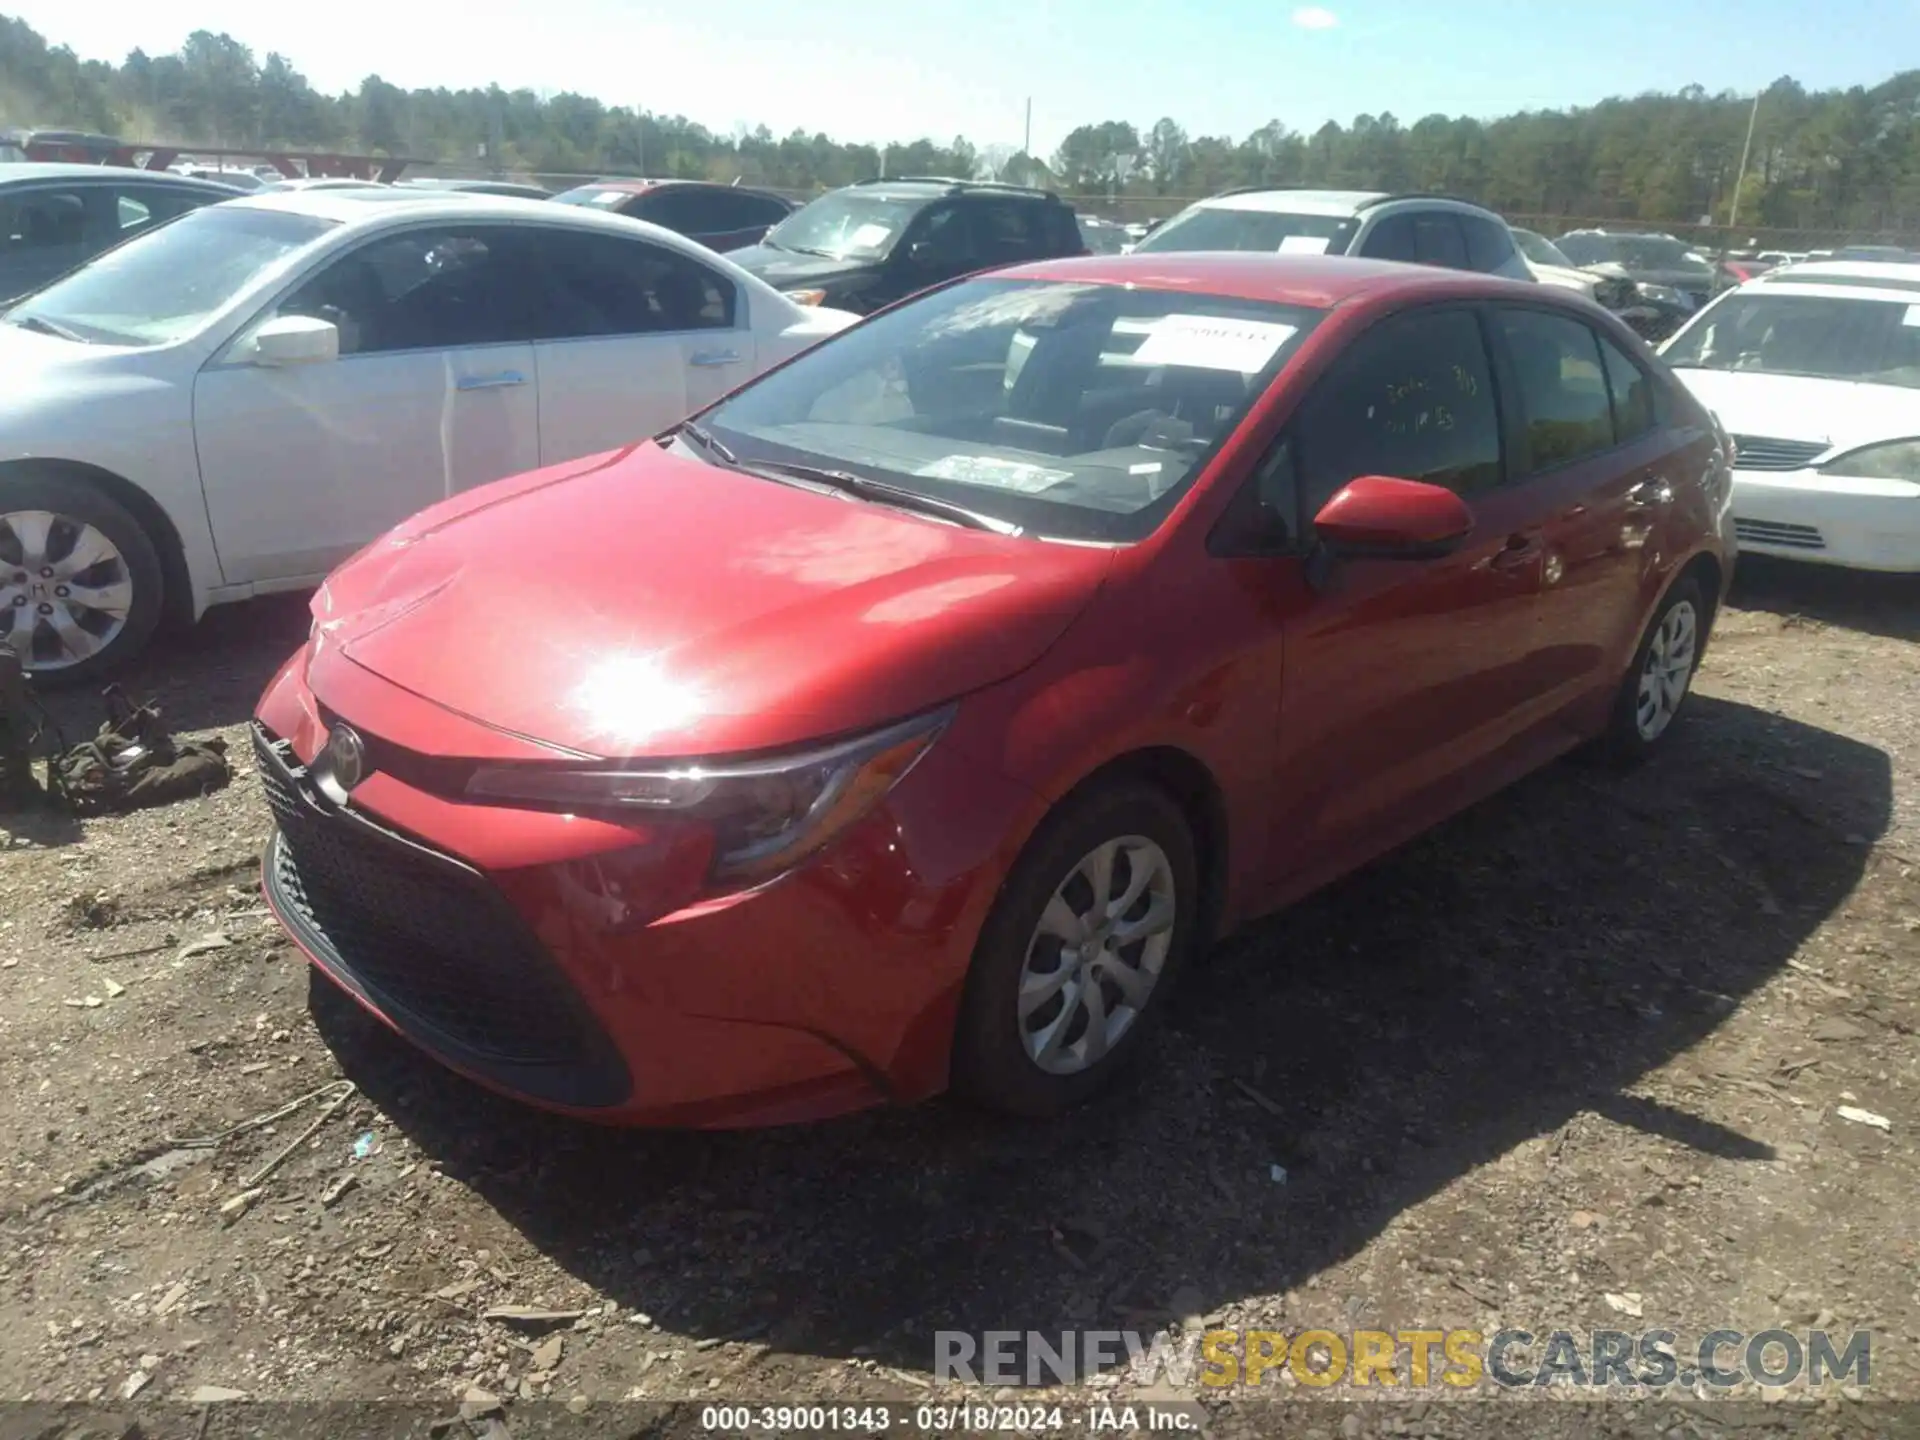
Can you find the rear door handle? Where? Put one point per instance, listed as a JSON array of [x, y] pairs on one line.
[[712, 359], [1650, 493], [490, 382]]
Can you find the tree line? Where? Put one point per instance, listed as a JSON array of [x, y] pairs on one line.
[[1822, 163]]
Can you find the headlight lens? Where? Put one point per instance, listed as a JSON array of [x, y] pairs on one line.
[[1890, 460], [1663, 295], [806, 297], [767, 815]]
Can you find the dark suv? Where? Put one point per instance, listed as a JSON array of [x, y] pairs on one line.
[[878, 241], [720, 217]]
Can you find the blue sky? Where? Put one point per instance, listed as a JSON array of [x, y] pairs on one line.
[[898, 69]]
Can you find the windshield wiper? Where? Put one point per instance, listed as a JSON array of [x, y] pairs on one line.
[[704, 438], [48, 327], [882, 493], [808, 250]]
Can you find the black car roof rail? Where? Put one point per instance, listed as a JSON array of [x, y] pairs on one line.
[[1422, 195], [955, 185]]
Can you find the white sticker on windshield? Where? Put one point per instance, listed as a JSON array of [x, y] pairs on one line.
[[992, 470], [611, 197], [1303, 244], [1912, 317], [1213, 342], [868, 236]]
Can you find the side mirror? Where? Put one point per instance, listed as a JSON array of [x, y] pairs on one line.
[[1383, 518], [295, 340]]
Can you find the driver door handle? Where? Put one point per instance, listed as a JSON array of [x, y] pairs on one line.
[[501, 381], [1520, 551], [712, 359]]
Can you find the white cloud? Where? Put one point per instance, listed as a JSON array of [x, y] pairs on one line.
[[1315, 17]]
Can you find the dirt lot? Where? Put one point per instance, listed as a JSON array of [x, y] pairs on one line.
[[1589, 1038]]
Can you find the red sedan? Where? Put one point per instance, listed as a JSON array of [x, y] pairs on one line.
[[915, 715]]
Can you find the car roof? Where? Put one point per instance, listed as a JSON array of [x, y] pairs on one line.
[[50, 170], [1843, 280], [1317, 282], [356, 206], [1296, 202]]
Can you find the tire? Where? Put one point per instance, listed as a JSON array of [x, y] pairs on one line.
[[58, 519], [1631, 736], [1001, 1059]]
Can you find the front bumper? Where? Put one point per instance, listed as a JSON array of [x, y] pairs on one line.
[[558, 959], [1828, 519]]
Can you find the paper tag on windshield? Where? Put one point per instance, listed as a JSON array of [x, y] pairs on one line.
[[868, 236], [992, 470], [1212, 342], [1303, 244], [1912, 317], [612, 197]]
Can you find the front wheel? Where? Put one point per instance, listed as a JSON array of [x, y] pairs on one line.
[[1075, 963], [80, 581], [1661, 677]]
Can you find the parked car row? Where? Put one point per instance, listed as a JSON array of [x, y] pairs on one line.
[[979, 645]]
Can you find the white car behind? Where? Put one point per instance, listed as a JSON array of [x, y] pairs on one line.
[[1815, 372], [236, 401]]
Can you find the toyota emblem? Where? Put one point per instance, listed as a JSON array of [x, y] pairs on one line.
[[346, 757]]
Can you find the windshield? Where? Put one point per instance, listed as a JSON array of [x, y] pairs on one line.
[[164, 285], [845, 225], [1218, 228], [1633, 252], [1827, 337], [1079, 411], [1540, 250]]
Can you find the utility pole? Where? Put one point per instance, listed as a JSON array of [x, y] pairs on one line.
[[1026, 145], [1746, 150]]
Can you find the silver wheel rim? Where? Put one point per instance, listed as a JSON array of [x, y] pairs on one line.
[[1668, 671], [65, 590], [1096, 955]]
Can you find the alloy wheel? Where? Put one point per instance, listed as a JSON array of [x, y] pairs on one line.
[[1096, 955], [65, 588], [1668, 670]]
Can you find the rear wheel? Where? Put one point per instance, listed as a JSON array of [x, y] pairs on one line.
[[1661, 677], [1075, 964], [80, 580]]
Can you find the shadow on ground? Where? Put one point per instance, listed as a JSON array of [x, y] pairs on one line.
[[1854, 599], [1523, 964], [205, 677]]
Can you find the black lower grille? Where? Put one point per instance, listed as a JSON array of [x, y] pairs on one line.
[[431, 943], [1771, 532], [1763, 452]]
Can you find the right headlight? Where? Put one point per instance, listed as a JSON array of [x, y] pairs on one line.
[[814, 296], [1887, 460], [766, 815]]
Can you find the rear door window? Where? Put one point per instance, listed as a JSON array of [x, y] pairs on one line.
[[1566, 407], [1634, 411], [600, 285], [1437, 240], [1489, 244]]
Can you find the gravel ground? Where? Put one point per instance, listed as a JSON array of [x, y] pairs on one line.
[[1587, 1039]]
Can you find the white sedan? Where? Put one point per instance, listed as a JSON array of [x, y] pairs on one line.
[[1815, 372], [236, 401]]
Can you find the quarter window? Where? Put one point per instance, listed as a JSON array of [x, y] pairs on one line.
[[1413, 398], [1566, 412]]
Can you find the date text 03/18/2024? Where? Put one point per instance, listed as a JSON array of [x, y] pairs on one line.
[[947, 1419]]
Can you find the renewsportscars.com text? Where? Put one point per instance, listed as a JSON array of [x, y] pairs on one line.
[[1408, 1359]]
